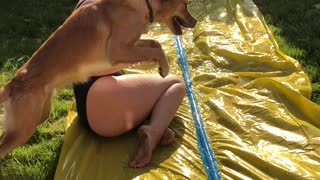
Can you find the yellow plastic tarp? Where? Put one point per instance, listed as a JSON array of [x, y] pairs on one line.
[[254, 101]]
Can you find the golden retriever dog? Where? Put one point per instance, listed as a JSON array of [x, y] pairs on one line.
[[103, 36]]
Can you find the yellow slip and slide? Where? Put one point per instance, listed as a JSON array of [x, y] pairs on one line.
[[254, 102]]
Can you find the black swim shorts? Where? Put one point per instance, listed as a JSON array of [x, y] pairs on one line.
[[81, 91]]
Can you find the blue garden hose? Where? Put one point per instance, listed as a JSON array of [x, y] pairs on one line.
[[205, 149]]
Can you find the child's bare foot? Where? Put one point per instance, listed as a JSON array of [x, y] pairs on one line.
[[167, 137], [148, 143], [144, 153]]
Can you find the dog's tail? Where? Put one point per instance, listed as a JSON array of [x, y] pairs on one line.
[[3, 94]]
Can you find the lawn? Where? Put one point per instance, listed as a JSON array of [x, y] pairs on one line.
[[26, 24]]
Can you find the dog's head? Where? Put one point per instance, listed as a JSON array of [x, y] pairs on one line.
[[173, 13]]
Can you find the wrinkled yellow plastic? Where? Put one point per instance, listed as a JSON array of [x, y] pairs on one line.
[[254, 101]]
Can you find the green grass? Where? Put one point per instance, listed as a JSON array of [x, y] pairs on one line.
[[295, 26], [26, 24]]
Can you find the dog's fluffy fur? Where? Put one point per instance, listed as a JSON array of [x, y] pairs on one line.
[[100, 37]]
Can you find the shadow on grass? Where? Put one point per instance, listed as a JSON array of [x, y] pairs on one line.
[[26, 24], [299, 22]]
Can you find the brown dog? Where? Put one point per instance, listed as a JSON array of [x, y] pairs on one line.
[[103, 36]]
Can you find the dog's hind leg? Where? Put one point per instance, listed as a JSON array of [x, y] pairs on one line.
[[23, 114]]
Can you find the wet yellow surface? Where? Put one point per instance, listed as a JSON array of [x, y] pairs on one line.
[[253, 98]]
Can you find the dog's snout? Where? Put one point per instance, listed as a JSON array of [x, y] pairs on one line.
[[193, 23]]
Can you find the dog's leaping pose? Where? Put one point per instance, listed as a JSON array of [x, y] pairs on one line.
[[100, 37]]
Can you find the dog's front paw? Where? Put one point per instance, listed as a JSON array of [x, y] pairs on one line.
[[156, 44], [164, 69]]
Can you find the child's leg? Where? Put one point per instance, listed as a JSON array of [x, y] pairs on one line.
[[118, 104], [157, 131]]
